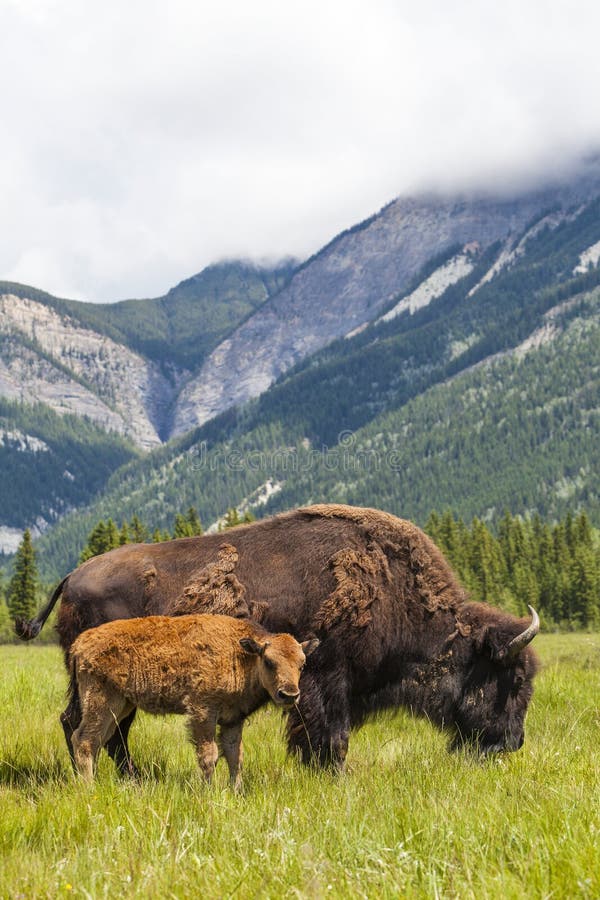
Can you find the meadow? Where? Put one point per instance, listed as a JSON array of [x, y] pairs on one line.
[[406, 819]]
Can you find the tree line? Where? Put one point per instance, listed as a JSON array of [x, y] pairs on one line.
[[553, 567]]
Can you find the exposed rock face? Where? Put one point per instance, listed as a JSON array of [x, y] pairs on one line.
[[74, 369], [30, 378], [345, 286], [434, 286], [48, 355]]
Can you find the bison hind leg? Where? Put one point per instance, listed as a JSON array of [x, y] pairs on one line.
[[70, 720]]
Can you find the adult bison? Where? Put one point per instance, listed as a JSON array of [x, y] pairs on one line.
[[395, 626]]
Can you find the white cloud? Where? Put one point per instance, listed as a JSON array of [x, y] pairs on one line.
[[143, 140]]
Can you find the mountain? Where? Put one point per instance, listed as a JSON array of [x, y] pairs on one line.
[[123, 364], [475, 386], [358, 275], [83, 385], [50, 464]]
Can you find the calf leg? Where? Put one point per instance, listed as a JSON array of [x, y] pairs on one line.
[[231, 745], [101, 713], [118, 750], [116, 746], [203, 726]]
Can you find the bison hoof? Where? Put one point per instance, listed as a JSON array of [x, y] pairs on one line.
[[128, 769]]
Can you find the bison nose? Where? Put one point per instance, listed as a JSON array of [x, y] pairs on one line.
[[287, 696]]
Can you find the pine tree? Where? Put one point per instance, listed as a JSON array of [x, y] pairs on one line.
[[583, 589], [112, 535], [583, 530], [195, 525], [182, 527], [103, 537], [22, 587], [138, 532], [232, 518]]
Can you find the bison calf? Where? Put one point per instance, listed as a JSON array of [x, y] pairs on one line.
[[214, 669]]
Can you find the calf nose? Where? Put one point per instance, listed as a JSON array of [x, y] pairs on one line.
[[288, 696]]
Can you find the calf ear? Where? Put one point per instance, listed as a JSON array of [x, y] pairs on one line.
[[252, 646], [309, 646]]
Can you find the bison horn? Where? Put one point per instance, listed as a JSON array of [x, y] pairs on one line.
[[521, 640]]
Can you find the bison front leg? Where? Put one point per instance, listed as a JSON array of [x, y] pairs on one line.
[[319, 725], [203, 726], [231, 746]]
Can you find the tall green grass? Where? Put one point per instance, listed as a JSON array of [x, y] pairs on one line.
[[407, 819]]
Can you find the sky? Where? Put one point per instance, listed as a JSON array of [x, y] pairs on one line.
[[141, 141]]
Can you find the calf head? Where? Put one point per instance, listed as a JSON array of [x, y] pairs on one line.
[[280, 660], [498, 682]]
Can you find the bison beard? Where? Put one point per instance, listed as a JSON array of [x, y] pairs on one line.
[[395, 626]]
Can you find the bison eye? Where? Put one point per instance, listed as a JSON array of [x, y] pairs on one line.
[[268, 662], [518, 683]]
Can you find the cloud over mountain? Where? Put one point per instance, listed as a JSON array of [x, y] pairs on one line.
[[142, 141]]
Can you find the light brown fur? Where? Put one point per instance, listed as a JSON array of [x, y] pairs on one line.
[[214, 669]]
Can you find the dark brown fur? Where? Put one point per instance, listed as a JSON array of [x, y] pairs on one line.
[[395, 624]]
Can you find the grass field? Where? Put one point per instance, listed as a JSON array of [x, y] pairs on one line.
[[407, 819]]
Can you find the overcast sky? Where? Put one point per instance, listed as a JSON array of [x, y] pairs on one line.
[[141, 140]]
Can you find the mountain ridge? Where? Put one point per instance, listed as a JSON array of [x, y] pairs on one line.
[[403, 301], [354, 276]]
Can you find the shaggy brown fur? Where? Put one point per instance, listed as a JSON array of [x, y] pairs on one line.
[[215, 669], [437, 585], [358, 575], [374, 588], [215, 588]]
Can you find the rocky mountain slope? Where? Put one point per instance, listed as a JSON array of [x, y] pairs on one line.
[[349, 282], [122, 364], [110, 372], [51, 358], [480, 392], [426, 289]]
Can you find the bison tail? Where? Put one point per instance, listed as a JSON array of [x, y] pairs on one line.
[[27, 630]]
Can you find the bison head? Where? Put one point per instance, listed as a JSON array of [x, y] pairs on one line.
[[280, 662], [498, 681]]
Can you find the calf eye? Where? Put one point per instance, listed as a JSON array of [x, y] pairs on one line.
[[268, 662]]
